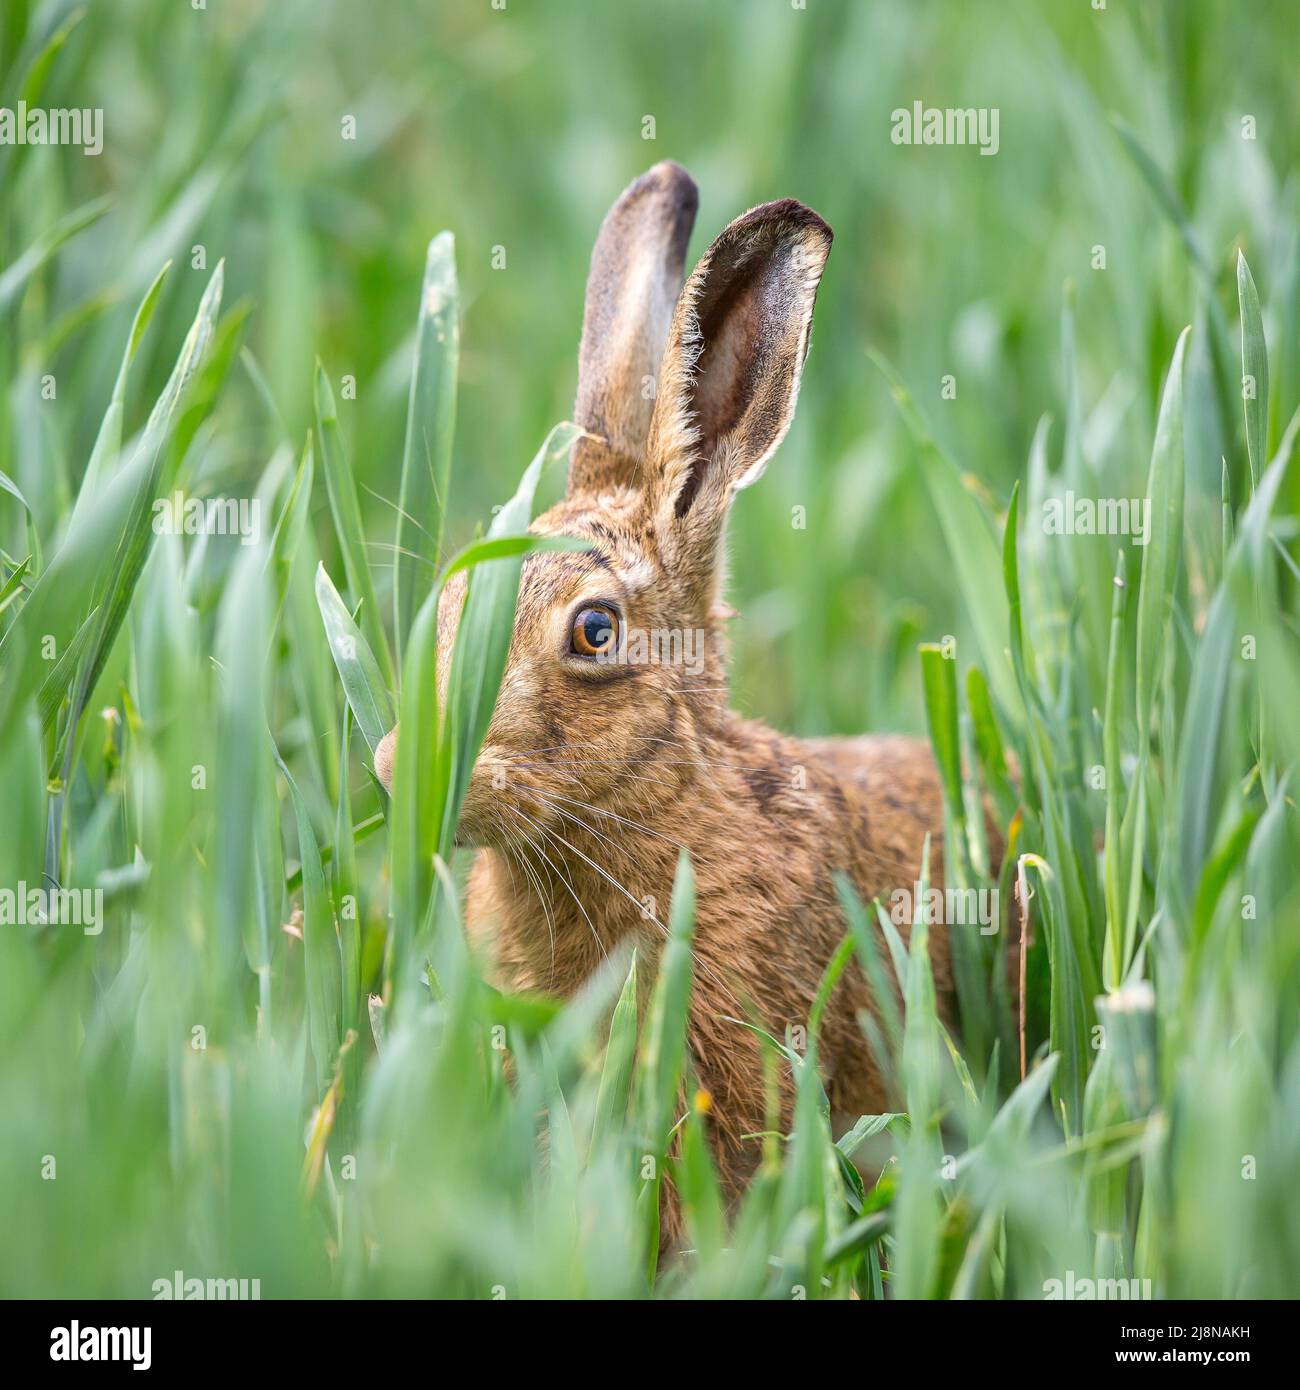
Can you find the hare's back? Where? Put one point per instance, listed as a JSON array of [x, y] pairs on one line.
[[893, 796]]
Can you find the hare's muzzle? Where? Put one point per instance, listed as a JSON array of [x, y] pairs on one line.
[[385, 756]]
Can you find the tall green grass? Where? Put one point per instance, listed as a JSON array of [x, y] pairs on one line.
[[279, 1059]]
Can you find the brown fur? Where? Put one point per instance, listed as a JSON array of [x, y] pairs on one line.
[[593, 777]]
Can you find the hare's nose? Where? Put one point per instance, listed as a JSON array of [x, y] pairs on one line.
[[384, 757]]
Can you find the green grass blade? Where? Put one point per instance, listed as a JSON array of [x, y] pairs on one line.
[[487, 623], [616, 1072], [663, 1048], [970, 542], [289, 528], [320, 941], [1114, 961], [430, 430], [1254, 371], [240, 777], [16, 276], [1163, 550], [419, 793], [345, 887], [346, 512], [989, 747], [108, 442], [359, 672]]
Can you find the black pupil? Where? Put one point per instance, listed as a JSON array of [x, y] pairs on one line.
[[597, 628]]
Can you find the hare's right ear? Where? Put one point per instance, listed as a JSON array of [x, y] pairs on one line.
[[636, 276], [730, 374]]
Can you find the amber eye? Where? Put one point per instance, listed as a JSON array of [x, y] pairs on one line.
[[595, 631]]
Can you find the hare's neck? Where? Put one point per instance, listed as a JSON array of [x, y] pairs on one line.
[[558, 906]]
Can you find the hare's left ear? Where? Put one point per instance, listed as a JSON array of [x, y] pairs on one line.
[[731, 370], [636, 276]]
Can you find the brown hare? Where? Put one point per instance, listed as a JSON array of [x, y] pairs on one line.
[[612, 744]]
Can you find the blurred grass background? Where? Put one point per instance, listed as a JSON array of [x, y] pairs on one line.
[[515, 129]]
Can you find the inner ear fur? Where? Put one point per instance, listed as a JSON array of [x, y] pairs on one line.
[[632, 289], [734, 358]]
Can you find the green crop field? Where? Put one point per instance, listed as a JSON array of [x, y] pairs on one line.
[[322, 281]]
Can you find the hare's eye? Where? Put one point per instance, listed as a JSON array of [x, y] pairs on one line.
[[595, 631]]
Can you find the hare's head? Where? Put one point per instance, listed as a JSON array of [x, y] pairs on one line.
[[616, 665]]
